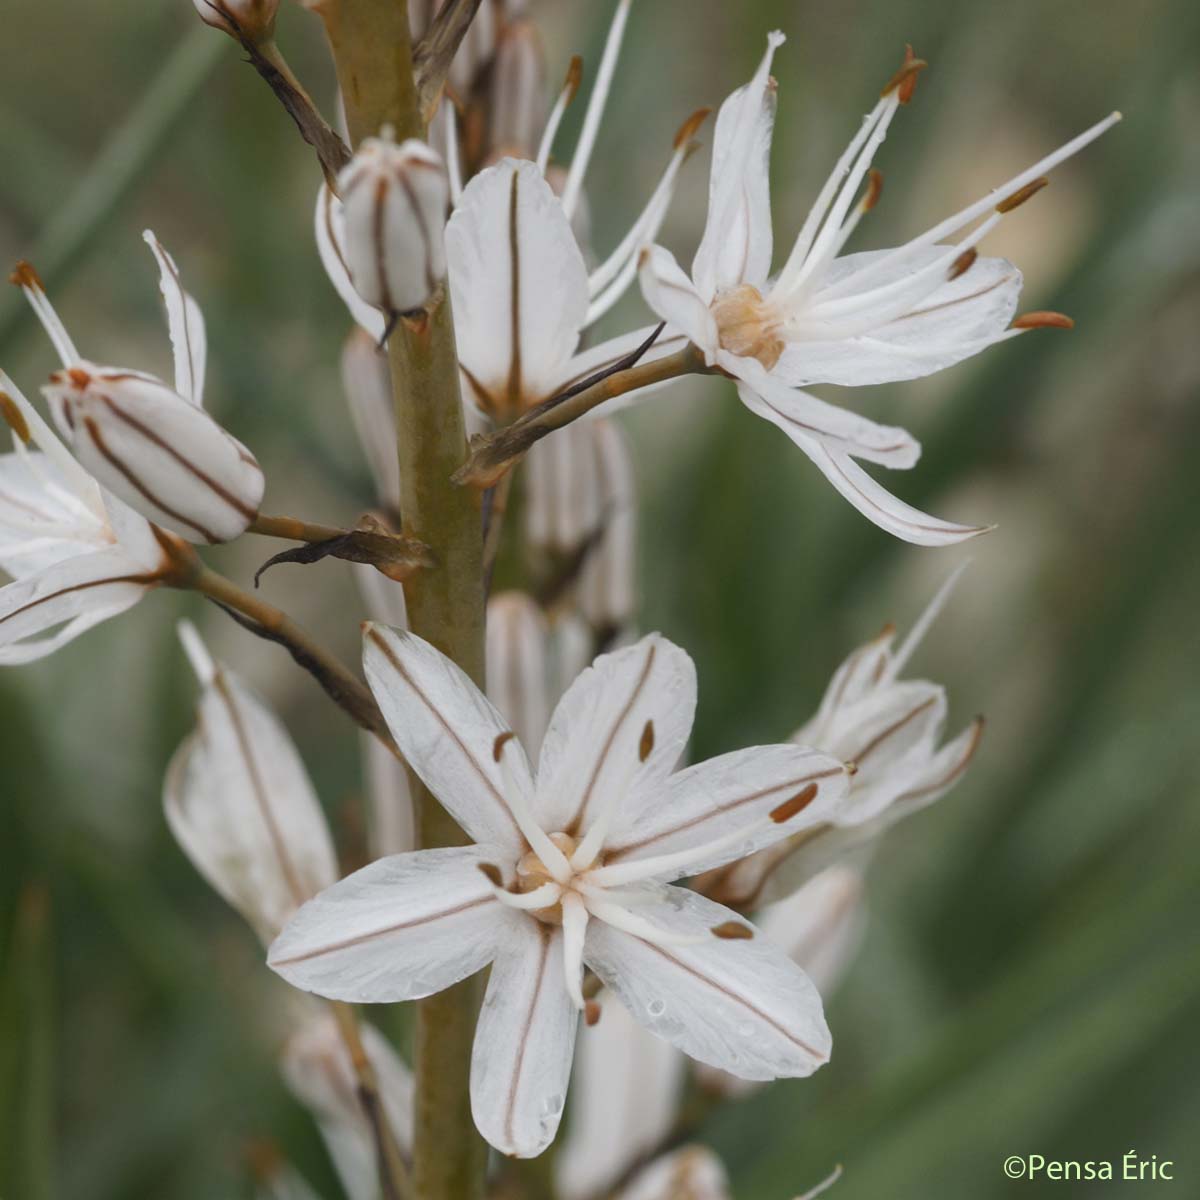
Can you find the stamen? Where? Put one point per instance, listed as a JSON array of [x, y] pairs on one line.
[[569, 88], [962, 264], [874, 190], [733, 931], [974, 211], [593, 842], [829, 188], [595, 110], [574, 927], [12, 417], [1021, 195], [627, 922], [621, 265], [1043, 320], [904, 82], [868, 310], [646, 745], [492, 874], [27, 279], [591, 1014], [826, 244], [545, 896], [798, 803], [552, 858]]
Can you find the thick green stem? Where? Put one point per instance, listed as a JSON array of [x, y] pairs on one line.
[[373, 55]]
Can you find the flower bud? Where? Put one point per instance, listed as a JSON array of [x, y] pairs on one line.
[[518, 91], [246, 20], [161, 454], [395, 199]]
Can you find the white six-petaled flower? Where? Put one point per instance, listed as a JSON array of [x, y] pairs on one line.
[[572, 866], [828, 317]]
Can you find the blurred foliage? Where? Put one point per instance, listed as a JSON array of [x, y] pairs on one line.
[[1031, 982]]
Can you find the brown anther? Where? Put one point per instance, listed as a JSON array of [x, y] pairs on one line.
[[851, 769], [79, 377], [1043, 320], [963, 263], [23, 275], [888, 631], [646, 744], [1021, 195], [874, 190], [591, 1013], [904, 82], [789, 808], [501, 741], [574, 78], [690, 127], [491, 873], [733, 931], [13, 417]]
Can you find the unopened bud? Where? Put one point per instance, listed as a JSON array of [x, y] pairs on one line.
[[160, 453], [395, 200], [518, 91], [246, 20], [518, 673]]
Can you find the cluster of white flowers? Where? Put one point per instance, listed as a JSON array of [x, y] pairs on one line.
[[684, 912]]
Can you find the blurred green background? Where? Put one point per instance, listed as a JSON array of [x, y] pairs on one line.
[[1031, 978]]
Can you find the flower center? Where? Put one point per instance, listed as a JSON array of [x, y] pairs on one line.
[[532, 873], [747, 326]]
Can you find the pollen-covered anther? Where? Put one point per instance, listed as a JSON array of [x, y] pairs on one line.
[[904, 82], [13, 418], [747, 326], [874, 190], [502, 740], [963, 263], [24, 275], [77, 376], [646, 743], [1043, 320], [591, 1014], [691, 127], [573, 79], [789, 808], [492, 874], [733, 931], [1021, 195]]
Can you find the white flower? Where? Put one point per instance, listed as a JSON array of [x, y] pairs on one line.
[[152, 445], [317, 1070], [522, 294], [572, 866], [240, 803], [76, 554], [890, 729], [829, 317], [394, 199]]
